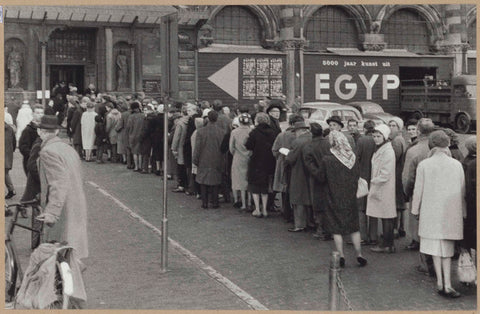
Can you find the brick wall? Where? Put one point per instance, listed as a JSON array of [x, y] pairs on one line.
[[186, 75]]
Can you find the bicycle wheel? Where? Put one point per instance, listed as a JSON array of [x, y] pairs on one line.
[[11, 273]]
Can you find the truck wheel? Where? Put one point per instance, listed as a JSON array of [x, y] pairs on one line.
[[417, 115], [462, 123]]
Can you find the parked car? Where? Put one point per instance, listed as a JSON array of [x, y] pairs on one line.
[[372, 111], [320, 111]]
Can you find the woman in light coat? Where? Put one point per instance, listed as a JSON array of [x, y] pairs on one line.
[[439, 200], [241, 155], [381, 198], [24, 116], [87, 123]]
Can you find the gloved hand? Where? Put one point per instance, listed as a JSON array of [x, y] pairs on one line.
[[48, 219]]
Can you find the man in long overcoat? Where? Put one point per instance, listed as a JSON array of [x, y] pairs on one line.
[[62, 195], [76, 127], [134, 132], [209, 159], [313, 154], [299, 181]]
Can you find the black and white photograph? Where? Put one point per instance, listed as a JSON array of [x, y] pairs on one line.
[[297, 157]]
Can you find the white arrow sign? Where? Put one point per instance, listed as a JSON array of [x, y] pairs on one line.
[[227, 78]]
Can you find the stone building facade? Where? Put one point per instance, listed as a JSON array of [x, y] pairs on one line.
[[235, 53]]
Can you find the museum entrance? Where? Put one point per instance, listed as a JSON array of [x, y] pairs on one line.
[[74, 74]]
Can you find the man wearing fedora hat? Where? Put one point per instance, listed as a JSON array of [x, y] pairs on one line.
[[335, 124], [299, 180], [62, 195]]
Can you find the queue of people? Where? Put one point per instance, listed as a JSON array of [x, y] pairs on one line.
[[416, 183]]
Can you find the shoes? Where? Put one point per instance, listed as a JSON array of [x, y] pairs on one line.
[[179, 189], [323, 237], [169, 177], [157, 173], [361, 261], [451, 293], [296, 229], [198, 196], [386, 249], [237, 204], [188, 193], [413, 246], [215, 206], [402, 233], [257, 214], [204, 206], [10, 194], [144, 172], [342, 262], [130, 167]]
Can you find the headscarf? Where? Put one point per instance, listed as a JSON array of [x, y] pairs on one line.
[[341, 149]]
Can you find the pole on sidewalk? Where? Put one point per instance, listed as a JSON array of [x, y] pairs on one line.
[[164, 258], [332, 280]]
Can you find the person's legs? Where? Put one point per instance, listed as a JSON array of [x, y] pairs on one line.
[[356, 240], [287, 207], [362, 217], [114, 153], [243, 197], [256, 200], [129, 155], [437, 264], [145, 161], [299, 216], [446, 267], [338, 239], [264, 204], [204, 194], [136, 161], [388, 225], [214, 190], [88, 154], [373, 229], [100, 150]]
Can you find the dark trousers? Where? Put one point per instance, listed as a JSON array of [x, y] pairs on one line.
[[100, 150], [114, 153], [182, 175], [196, 185], [145, 162], [130, 163], [205, 191], [24, 164], [79, 149], [287, 207]]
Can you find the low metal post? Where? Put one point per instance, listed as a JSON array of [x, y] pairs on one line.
[[164, 257], [333, 295]]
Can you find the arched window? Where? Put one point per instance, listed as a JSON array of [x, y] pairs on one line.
[[406, 29], [331, 26], [472, 35], [236, 25]]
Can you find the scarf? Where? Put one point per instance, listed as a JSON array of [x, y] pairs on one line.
[[341, 149]]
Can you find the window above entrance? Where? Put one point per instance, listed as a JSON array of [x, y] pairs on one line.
[[72, 45]]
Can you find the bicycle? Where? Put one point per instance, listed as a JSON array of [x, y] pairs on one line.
[[13, 271]]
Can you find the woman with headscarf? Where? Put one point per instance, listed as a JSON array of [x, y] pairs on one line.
[[439, 200], [240, 159], [381, 197], [399, 147], [261, 166], [340, 172], [470, 167], [454, 150]]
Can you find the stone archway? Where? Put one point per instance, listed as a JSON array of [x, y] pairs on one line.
[[434, 20], [266, 17]]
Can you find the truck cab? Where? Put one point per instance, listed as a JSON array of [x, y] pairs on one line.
[[464, 102]]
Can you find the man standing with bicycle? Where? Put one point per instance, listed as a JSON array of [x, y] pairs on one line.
[[62, 195]]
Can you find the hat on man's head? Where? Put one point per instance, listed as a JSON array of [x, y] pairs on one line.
[[335, 119], [438, 139], [273, 106], [49, 122], [300, 125]]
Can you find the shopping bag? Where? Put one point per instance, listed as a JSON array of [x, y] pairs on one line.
[[467, 272], [362, 189]]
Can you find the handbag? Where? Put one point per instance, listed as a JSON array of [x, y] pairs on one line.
[[467, 272], [362, 189]]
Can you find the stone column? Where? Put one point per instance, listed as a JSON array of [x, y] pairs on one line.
[[292, 42], [132, 67], [32, 73], [44, 70], [455, 42], [108, 59]]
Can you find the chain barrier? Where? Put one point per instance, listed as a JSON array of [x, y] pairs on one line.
[[341, 288]]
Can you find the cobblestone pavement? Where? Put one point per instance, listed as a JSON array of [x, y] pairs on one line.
[[281, 270]]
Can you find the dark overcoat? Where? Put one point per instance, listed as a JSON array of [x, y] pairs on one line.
[[155, 129], [10, 145], [122, 139], [134, 131], [76, 126], [470, 227], [32, 188], [313, 154], [364, 152], [207, 155], [341, 211], [25, 143], [299, 187], [146, 141], [262, 163]]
